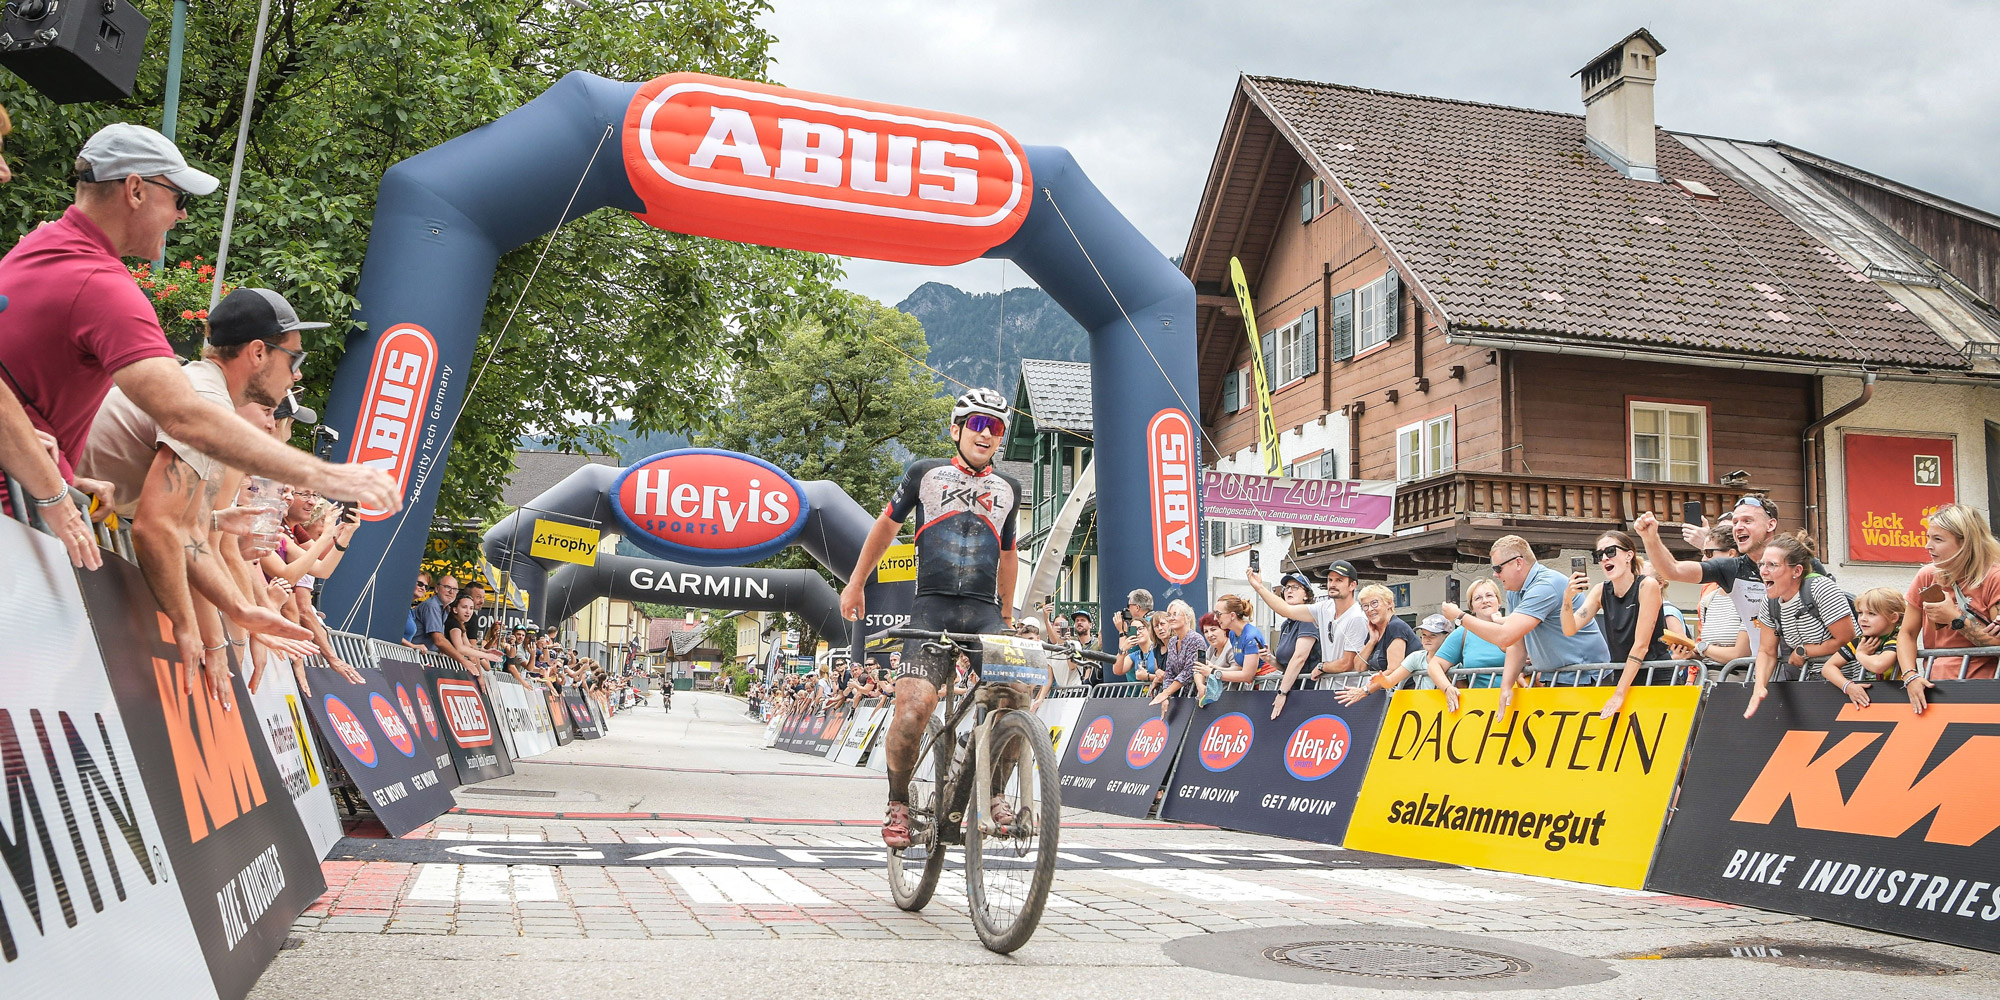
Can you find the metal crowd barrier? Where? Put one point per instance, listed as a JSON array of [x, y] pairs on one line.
[[1072, 691], [1120, 689], [1350, 679], [1927, 657], [356, 650]]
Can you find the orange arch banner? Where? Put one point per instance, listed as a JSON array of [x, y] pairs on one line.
[[756, 163]]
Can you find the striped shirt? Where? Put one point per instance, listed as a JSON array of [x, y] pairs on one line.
[[1800, 629]]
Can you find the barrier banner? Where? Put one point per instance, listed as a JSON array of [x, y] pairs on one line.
[[771, 730], [800, 731], [581, 720], [245, 865], [827, 736], [410, 693], [1296, 776], [869, 719], [1549, 789], [89, 914], [281, 714], [1060, 714], [597, 712], [1876, 817], [558, 716], [373, 740], [470, 729], [523, 714], [1121, 753]]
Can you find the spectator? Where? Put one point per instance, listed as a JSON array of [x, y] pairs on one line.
[[1805, 616], [1343, 629], [1721, 637], [423, 593], [1878, 617], [431, 617], [1082, 626], [1532, 629], [1633, 623], [1247, 644], [1136, 616], [1430, 635], [1953, 602], [1753, 523], [1296, 649], [1184, 651], [1139, 652], [1390, 639], [458, 635]]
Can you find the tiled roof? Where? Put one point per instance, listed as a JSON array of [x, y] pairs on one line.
[[1058, 394], [1510, 226], [536, 471]]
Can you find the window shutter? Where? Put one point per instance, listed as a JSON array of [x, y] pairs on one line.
[[1269, 345], [1392, 304], [1229, 392], [1254, 535], [1307, 202], [1343, 326], [1218, 538], [1326, 465], [1309, 342]]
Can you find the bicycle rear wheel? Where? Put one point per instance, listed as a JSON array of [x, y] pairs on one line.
[[913, 878], [1009, 866]]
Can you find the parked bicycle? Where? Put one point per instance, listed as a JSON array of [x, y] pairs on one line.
[[993, 789]]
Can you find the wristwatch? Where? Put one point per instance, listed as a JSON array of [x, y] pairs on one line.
[[1958, 624]]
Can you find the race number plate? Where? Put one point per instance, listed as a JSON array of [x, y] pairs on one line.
[[1008, 660]]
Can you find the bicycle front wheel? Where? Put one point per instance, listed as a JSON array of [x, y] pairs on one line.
[[1010, 851], [914, 877]]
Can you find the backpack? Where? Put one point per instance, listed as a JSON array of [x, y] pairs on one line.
[[1811, 608]]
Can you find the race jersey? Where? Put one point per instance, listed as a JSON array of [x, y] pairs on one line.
[[964, 523]]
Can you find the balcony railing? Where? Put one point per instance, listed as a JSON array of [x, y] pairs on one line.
[[1581, 502]]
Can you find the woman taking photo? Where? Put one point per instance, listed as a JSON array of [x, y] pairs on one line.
[[1813, 619], [1633, 624], [1953, 601], [1139, 652]]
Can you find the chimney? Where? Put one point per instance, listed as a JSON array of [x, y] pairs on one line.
[[1618, 105]]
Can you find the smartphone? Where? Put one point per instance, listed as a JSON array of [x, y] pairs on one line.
[[1256, 563], [1691, 512], [1451, 589], [1933, 594], [1578, 564]]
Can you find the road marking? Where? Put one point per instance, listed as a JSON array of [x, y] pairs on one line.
[[845, 842], [677, 839], [721, 884], [484, 883], [1608, 890], [1418, 886], [1210, 887], [515, 838]]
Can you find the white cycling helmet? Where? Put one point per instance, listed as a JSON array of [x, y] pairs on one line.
[[984, 401]]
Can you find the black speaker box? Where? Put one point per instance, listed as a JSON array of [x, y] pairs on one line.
[[73, 50]]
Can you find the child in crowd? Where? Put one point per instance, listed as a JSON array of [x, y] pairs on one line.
[[1878, 613]]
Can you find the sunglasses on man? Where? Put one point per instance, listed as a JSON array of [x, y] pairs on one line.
[[981, 423], [1767, 506], [181, 198], [298, 357]]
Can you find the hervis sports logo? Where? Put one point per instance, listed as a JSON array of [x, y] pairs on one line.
[[1146, 744], [1170, 458], [709, 507], [409, 710], [352, 733], [398, 389], [392, 725], [761, 164], [1095, 738], [1226, 741], [428, 714], [1318, 747]]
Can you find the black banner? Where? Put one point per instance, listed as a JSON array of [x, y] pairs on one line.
[[246, 866], [366, 728], [814, 732], [1121, 752], [1296, 776], [581, 719], [409, 691], [1876, 817], [471, 728], [559, 714]]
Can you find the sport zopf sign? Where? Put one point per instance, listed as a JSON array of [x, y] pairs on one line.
[[392, 405], [763, 164], [708, 507]]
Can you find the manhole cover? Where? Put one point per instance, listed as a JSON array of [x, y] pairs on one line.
[[1396, 960], [1803, 955]]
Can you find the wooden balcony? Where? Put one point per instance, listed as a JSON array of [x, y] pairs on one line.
[[1452, 518]]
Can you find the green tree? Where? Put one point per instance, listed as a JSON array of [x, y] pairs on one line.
[[622, 319]]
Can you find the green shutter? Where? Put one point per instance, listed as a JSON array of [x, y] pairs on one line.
[[1269, 344], [1230, 392], [1218, 538], [1309, 342], [1326, 463], [1254, 534], [1343, 326], [1392, 302], [1306, 202]]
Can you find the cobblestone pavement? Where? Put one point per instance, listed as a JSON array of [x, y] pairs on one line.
[[485, 883]]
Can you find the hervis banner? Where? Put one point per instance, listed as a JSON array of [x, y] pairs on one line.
[[1294, 776], [1120, 753], [1876, 817], [1551, 788]]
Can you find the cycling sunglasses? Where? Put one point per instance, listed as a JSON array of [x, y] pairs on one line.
[[981, 423], [1768, 507]]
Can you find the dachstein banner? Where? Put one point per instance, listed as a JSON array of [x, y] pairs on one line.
[[89, 900], [281, 714], [1876, 816], [367, 730], [1121, 753], [1294, 776], [1551, 788], [470, 730], [245, 865]]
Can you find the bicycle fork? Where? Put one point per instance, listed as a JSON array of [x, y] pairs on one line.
[[982, 783]]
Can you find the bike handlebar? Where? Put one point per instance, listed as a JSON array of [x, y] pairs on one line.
[[973, 638]]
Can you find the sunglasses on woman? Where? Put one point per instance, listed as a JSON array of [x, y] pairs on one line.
[[981, 423], [1608, 551]]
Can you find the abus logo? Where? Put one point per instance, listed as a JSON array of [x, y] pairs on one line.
[[1226, 741], [708, 507], [1091, 743], [762, 164], [347, 726], [1170, 458], [391, 421], [392, 725], [424, 709], [464, 713], [1316, 748], [1895, 794], [1146, 744]]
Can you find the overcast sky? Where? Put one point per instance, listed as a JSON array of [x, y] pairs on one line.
[[1137, 90]]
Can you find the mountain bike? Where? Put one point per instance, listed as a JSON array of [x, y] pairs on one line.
[[993, 789]]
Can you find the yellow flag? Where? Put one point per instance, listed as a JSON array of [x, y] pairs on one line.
[[1267, 425]]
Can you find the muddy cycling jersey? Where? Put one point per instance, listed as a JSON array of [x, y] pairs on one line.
[[964, 522]]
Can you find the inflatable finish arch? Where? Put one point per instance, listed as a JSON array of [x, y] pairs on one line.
[[755, 163]]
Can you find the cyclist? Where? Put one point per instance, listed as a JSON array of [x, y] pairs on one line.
[[964, 511]]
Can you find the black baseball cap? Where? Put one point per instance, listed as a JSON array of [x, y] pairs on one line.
[[248, 314], [1342, 567]]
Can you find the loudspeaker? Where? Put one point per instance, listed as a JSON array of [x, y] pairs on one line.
[[73, 50]]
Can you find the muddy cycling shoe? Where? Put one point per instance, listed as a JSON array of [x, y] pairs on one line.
[[1002, 815], [896, 826]]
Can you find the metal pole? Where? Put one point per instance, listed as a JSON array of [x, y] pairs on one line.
[[242, 144], [171, 115]]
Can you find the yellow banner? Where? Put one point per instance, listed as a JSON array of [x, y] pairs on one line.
[[1551, 789], [899, 563], [565, 542], [1267, 424]]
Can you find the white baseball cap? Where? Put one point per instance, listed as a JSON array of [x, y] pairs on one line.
[[122, 149], [1030, 622]]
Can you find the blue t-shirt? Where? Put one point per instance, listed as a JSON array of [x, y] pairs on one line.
[[1245, 645], [1463, 649], [410, 627], [430, 618], [1550, 650]]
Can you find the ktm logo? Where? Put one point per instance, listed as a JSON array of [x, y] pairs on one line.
[[217, 775], [1960, 796]]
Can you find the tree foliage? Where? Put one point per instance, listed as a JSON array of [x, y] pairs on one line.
[[622, 318]]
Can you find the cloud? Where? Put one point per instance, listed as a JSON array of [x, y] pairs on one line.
[[1137, 91]]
